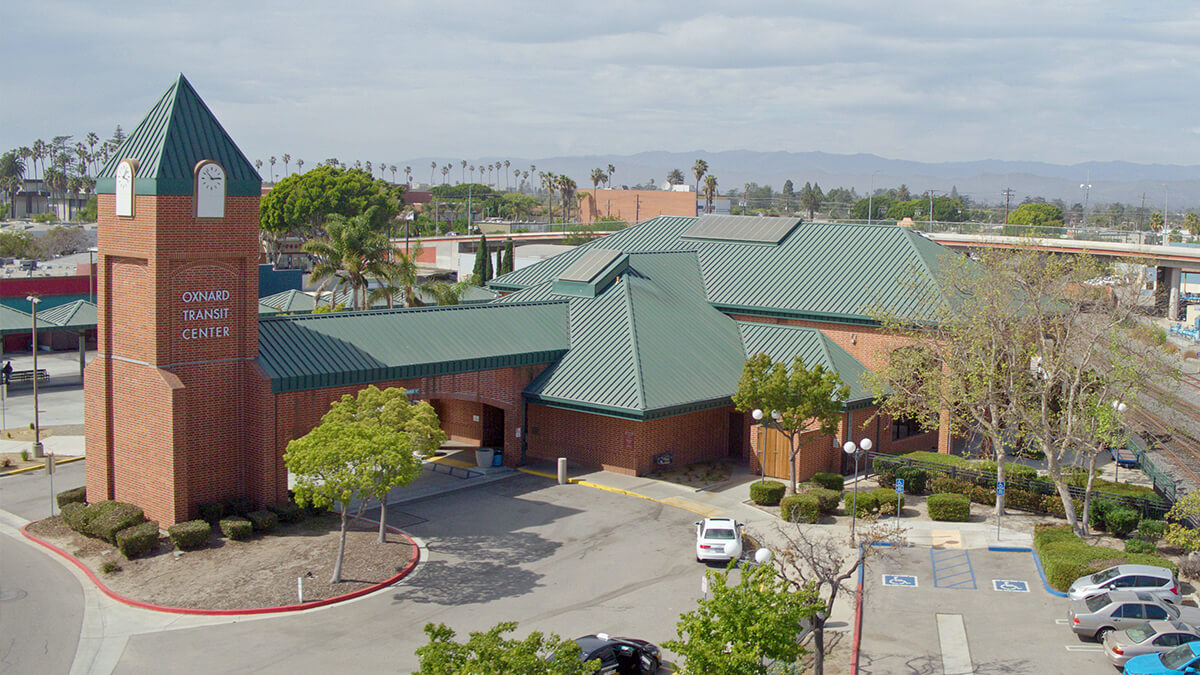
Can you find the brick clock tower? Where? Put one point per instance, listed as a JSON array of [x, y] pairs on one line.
[[178, 315]]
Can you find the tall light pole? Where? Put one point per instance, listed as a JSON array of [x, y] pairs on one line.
[[851, 449], [37, 429], [772, 423], [931, 191], [1086, 186], [1120, 408], [871, 196]]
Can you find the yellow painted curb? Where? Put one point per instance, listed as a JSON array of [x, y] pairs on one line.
[[543, 474], [42, 467], [677, 502]]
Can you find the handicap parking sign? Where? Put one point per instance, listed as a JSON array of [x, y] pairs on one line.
[[1000, 488], [899, 486], [909, 580], [1010, 585]]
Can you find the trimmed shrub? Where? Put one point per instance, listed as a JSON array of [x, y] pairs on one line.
[[885, 470], [827, 500], [1098, 514], [263, 521], [829, 481], [1122, 520], [75, 515], [1066, 557], [767, 493], [1139, 545], [803, 508], [236, 527], [1024, 500], [949, 507], [190, 534], [288, 512], [111, 517], [1054, 506], [943, 484], [110, 567], [1012, 470], [887, 500], [138, 540], [212, 512], [73, 496], [239, 506], [915, 479], [1152, 530], [868, 503]]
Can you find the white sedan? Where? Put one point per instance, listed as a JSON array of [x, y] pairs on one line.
[[718, 539]]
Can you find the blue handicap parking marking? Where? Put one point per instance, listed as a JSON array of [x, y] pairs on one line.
[[900, 580], [1010, 585], [952, 568]]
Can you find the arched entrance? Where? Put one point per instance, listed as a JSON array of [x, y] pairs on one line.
[[470, 422]]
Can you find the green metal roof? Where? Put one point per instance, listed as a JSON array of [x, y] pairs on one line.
[[657, 234], [304, 302], [14, 321], [286, 302], [785, 343], [649, 346], [324, 350], [744, 229], [177, 133], [78, 315]]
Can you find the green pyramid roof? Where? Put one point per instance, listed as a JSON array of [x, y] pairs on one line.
[[178, 132], [77, 315]]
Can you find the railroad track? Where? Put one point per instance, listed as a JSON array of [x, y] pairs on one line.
[[1174, 442], [1189, 380]]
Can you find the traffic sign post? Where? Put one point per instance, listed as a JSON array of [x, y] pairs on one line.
[[999, 494], [899, 496]]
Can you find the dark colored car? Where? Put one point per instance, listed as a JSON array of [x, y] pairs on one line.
[[618, 655]]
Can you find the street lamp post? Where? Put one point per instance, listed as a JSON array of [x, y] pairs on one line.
[[1120, 408], [772, 423], [37, 430], [851, 449], [1086, 186], [871, 196]]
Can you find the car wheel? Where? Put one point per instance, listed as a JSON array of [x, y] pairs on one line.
[[1101, 633]]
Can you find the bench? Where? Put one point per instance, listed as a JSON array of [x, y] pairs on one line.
[[19, 376]]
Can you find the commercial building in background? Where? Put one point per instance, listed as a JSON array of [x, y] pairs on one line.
[[622, 353], [634, 206]]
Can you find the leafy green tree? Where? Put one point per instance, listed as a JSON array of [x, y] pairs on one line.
[[804, 398], [675, 177], [880, 204], [499, 267], [12, 172], [362, 448], [788, 194], [491, 653], [1191, 223], [1037, 215], [1156, 221], [400, 273], [1179, 532], [63, 240], [508, 256], [811, 198], [350, 255], [745, 628], [299, 204], [483, 261], [18, 245]]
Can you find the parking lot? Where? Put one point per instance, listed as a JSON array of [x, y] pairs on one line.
[[952, 610]]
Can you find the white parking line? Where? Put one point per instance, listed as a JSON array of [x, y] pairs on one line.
[[956, 655], [1061, 622], [1085, 648]]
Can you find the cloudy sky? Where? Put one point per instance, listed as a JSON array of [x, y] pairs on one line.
[[1060, 82]]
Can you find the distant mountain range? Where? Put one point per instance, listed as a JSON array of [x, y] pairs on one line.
[[982, 180]]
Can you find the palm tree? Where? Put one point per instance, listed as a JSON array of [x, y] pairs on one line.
[[370, 171], [710, 190], [699, 169], [445, 172], [92, 139], [351, 253], [675, 177], [524, 177], [12, 170], [287, 159], [566, 190], [382, 169], [408, 175], [611, 170], [299, 166], [39, 153], [506, 165], [432, 168], [464, 171], [446, 294], [398, 274], [516, 174], [472, 173], [393, 168], [549, 182], [258, 166]]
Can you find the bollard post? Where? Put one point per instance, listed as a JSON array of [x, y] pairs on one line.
[[562, 470]]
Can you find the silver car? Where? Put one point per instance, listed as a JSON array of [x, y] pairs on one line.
[[1158, 581], [1152, 637], [1119, 610]]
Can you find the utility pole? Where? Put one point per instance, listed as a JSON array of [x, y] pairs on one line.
[[1008, 193], [1141, 215]]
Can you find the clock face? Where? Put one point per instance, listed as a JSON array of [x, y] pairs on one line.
[[210, 191], [124, 191], [211, 177]]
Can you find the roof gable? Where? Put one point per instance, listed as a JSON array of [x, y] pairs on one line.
[[785, 343], [177, 133]]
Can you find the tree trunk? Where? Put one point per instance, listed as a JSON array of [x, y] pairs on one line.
[[383, 520], [1000, 478], [1087, 495], [793, 452], [337, 566], [819, 647]]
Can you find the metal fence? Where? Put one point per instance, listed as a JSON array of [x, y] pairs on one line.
[[1149, 508]]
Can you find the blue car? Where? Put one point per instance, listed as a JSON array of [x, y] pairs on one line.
[[1183, 659]]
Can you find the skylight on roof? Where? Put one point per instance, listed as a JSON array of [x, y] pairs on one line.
[[747, 229], [589, 265]]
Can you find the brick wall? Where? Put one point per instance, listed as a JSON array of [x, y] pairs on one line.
[[635, 204]]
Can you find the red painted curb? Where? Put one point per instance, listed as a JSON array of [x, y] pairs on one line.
[[858, 595], [416, 555]]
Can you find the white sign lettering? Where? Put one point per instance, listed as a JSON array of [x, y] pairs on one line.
[[205, 314], [205, 296]]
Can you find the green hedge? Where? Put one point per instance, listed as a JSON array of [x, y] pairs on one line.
[[887, 500], [802, 508], [189, 534], [75, 515], [1065, 557], [111, 517], [827, 500], [212, 512], [288, 512], [73, 496], [1122, 520], [236, 527], [949, 507], [138, 539], [767, 493], [829, 481], [1139, 545], [868, 503], [263, 521], [1012, 469], [1152, 530], [938, 458], [239, 506], [915, 479]]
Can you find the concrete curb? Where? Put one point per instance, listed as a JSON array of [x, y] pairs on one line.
[[607, 488], [416, 558], [57, 462], [1037, 561]]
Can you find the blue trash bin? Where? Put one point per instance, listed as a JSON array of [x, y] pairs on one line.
[[498, 458]]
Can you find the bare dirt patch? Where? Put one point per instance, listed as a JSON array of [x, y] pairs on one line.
[[698, 475], [258, 572]]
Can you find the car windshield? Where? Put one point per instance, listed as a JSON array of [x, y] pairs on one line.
[[1139, 633], [1097, 602], [1179, 657], [718, 533], [1101, 577]]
